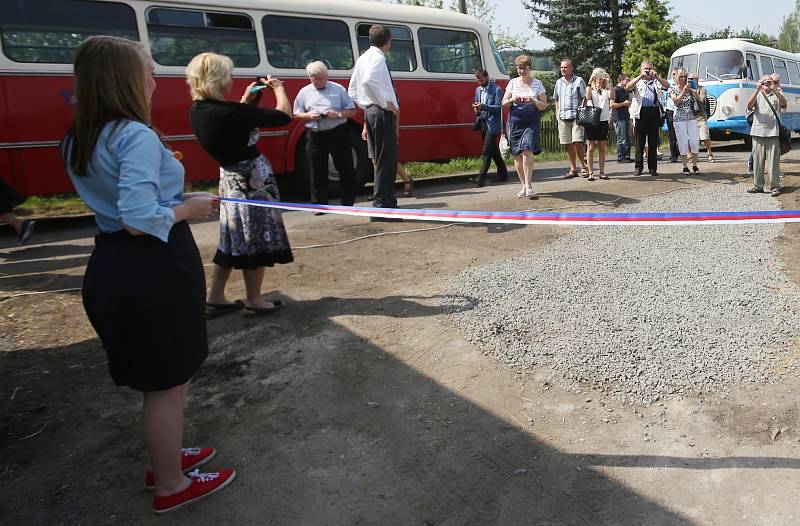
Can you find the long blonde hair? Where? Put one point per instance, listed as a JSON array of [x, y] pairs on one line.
[[602, 74], [110, 85]]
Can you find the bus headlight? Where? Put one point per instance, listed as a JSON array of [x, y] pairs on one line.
[[727, 110]]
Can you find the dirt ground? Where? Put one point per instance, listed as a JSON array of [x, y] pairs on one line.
[[359, 403]]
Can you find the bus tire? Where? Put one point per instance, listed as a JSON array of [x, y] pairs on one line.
[[301, 179]]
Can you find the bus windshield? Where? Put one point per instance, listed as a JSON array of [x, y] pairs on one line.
[[721, 65], [497, 57]]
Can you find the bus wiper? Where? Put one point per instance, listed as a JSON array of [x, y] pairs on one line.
[[712, 76]]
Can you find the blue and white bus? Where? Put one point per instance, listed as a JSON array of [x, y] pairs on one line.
[[729, 69]]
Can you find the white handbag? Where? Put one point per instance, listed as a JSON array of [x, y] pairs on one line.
[[505, 148]]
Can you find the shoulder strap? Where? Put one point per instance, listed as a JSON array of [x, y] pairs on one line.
[[772, 108]]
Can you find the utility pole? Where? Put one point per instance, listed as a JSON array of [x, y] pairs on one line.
[[462, 6]]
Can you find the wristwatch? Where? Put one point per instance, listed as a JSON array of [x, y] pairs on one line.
[[339, 114]]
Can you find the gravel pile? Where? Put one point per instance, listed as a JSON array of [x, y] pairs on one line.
[[644, 312]]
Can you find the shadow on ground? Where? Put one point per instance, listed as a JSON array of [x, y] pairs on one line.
[[323, 424]]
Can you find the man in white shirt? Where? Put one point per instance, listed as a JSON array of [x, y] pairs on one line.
[[372, 89], [325, 107]]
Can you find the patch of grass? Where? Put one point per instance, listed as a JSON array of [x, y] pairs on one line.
[[53, 205], [212, 186]]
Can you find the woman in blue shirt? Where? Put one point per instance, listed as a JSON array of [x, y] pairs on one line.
[[144, 287]]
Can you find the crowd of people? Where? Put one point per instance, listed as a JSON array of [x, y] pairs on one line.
[[635, 107], [133, 182]]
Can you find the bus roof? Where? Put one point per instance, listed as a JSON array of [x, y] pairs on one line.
[[740, 44], [365, 9]]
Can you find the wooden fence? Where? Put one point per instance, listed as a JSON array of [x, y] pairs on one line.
[[548, 138]]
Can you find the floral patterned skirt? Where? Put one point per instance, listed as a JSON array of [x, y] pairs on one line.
[[250, 236]]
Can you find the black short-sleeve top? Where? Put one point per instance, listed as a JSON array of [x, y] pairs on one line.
[[223, 128]]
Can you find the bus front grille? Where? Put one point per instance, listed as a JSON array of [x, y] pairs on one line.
[[712, 104]]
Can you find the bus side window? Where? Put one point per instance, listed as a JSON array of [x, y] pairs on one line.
[[794, 73], [752, 67], [402, 56], [177, 35], [780, 69], [766, 66], [446, 51], [48, 31], [294, 42]]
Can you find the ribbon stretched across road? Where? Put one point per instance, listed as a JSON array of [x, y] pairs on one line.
[[540, 218]]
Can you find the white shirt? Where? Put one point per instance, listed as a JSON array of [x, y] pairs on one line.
[[333, 97], [600, 99], [371, 82]]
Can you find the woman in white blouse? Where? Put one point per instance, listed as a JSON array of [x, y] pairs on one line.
[[525, 97], [598, 94]]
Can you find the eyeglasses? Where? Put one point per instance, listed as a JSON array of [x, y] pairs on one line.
[[523, 67], [682, 76], [767, 82]]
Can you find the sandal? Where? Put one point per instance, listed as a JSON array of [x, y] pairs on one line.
[[755, 190], [590, 177], [603, 176], [570, 174], [584, 172], [711, 159], [408, 187]]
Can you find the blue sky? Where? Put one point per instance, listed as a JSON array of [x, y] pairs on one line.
[[696, 15]]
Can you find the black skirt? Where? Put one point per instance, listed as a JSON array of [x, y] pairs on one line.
[[146, 300], [597, 133]]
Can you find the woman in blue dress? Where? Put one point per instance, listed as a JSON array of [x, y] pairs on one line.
[[526, 98]]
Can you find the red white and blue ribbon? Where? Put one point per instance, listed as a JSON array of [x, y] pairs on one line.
[[540, 218]]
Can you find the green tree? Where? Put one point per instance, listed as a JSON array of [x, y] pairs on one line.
[[503, 37], [590, 32], [650, 38], [685, 37], [789, 37]]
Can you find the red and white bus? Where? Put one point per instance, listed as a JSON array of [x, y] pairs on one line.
[[434, 53]]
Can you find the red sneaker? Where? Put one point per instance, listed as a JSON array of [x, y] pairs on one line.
[[191, 458], [203, 485]]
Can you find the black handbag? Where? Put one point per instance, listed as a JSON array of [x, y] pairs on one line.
[[588, 116], [784, 134]]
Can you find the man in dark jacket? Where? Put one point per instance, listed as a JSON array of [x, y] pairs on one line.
[[488, 108]]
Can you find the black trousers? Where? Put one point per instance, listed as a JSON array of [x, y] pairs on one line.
[[382, 137], [647, 126], [491, 152], [674, 153], [336, 143]]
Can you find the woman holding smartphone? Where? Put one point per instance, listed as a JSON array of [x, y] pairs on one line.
[[599, 94], [251, 237], [686, 129], [525, 96]]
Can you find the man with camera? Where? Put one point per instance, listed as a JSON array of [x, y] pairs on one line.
[[647, 113], [325, 107], [766, 104]]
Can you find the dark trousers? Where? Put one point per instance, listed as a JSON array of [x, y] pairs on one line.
[[647, 126], [336, 143], [382, 137], [491, 152], [674, 153]]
